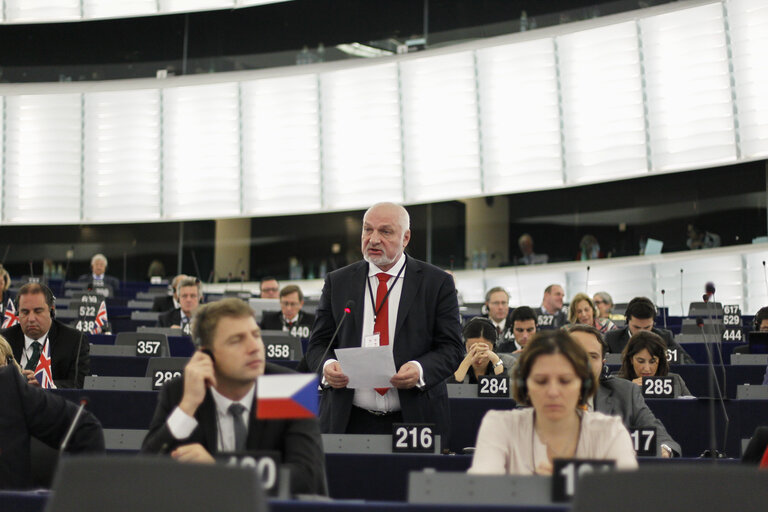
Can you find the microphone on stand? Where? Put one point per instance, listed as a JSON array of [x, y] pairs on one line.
[[664, 307], [65, 442], [682, 311], [765, 276], [713, 384], [347, 310], [587, 285]]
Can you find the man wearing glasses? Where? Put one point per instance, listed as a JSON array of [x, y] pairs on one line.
[[291, 318]]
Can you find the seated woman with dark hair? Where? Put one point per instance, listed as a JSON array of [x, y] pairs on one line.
[[583, 311], [480, 339], [553, 376], [646, 356]]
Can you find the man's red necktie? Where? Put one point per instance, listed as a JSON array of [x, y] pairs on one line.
[[381, 323]]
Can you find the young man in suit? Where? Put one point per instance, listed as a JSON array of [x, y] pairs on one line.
[[398, 301], [69, 348], [211, 408], [620, 397], [640, 315]]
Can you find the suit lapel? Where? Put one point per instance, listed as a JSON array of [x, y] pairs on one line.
[[207, 417], [411, 285], [17, 343], [604, 399], [358, 291]]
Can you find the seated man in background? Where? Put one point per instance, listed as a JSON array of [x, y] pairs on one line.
[[641, 315], [479, 338], [169, 302], [190, 293], [525, 242], [551, 314], [97, 277], [69, 348], [269, 288], [290, 318], [497, 304], [211, 408], [619, 397], [523, 322], [28, 411]]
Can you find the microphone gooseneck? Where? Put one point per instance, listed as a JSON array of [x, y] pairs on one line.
[[347, 310]]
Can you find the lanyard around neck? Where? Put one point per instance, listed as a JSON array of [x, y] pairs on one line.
[[377, 310]]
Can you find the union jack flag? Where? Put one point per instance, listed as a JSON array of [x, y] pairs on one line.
[[101, 319], [43, 369], [10, 318]]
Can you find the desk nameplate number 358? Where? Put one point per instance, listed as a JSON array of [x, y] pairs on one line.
[[413, 438]]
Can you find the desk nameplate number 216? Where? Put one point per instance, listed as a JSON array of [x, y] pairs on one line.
[[413, 438]]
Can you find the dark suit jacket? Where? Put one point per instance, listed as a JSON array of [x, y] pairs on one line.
[[110, 281], [169, 318], [66, 365], [621, 397], [617, 339], [27, 411], [427, 330], [273, 321], [298, 441], [163, 303]]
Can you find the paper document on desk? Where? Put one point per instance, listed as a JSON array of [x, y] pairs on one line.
[[367, 367]]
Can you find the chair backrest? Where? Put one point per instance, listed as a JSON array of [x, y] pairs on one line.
[[146, 343], [675, 488], [145, 316], [127, 484]]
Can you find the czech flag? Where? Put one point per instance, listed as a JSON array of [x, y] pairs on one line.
[[43, 369], [286, 396], [9, 317]]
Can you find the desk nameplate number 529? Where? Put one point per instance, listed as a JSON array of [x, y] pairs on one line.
[[658, 387], [413, 438]]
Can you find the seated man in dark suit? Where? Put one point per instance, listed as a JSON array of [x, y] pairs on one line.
[[28, 411], [97, 276], [522, 328], [497, 305], [190, 292], [169, 302], [640, 316], [290, 318], [619, 397], [211, 408], [69, 348], [759, 323], [552, 314]]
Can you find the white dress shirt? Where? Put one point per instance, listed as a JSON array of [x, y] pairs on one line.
[[27, 352], [181, 424]]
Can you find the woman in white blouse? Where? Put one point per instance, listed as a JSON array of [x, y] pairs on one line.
[[553, 376]]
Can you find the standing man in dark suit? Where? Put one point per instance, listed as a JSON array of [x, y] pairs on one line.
[[640, 315], [619, 397], [26, 411], [398, 301], [69, 348], [97, 276], [190, 293], [290, 318], [211, 408]]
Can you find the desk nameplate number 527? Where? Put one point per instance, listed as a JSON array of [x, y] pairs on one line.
[[413, 438]]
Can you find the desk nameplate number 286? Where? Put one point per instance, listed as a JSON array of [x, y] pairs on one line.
[[413, 438]]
